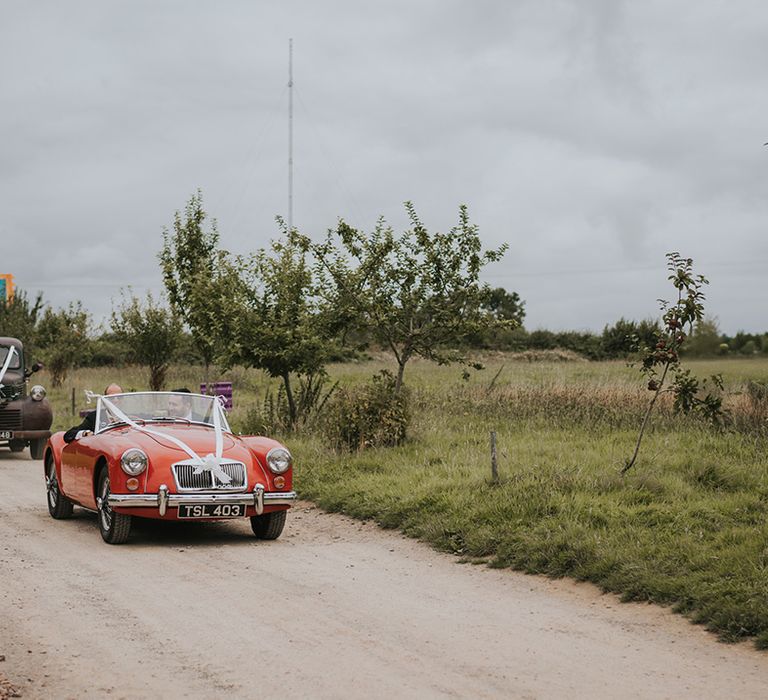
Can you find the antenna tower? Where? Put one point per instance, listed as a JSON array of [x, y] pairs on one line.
[[290, 135]]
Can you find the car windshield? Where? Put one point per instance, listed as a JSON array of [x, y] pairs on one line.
[[158, 407], [15, 360]]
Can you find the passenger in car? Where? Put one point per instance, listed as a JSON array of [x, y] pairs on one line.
[[181, 406], [89, 421]]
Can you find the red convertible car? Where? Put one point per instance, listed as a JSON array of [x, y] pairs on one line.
[[168, 456]]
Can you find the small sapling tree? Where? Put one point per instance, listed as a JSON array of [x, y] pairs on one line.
[[271, 319], [660, 363], [190, 262]]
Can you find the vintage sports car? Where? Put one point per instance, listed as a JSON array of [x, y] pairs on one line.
[[168, 456]]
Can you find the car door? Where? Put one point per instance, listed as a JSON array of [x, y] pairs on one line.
[[77, 462]]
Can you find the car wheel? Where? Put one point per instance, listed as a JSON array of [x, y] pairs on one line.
[[16, 445], [114, 527], [36, 448], [59, 506], [268, 526]]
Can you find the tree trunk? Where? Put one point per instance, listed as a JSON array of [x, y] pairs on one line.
[[630, 463], [291, 401], [157, 377], [399, 380]]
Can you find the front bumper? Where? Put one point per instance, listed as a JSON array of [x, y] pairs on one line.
[[162, 500]]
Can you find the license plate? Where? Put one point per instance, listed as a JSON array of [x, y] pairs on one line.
[[6, 434], [212, 510]]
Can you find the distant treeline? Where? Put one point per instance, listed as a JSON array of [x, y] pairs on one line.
[[617, 342], [29, 320], [625, 337]]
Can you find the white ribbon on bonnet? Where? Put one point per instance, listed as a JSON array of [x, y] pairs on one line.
[[209, 463], [7, 364]]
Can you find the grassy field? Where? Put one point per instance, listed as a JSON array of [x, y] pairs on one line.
[[687, 527]]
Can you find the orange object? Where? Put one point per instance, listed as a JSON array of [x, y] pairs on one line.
[[6, 287]]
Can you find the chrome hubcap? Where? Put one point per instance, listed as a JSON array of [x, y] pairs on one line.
[[52, 486]]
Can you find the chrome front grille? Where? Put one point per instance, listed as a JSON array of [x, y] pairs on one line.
[[187, 480], [11, 392], [10, 418]]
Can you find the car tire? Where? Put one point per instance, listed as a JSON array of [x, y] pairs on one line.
[[36, 448], [268, 526], [59, 506], [16, 445], [114, 527]]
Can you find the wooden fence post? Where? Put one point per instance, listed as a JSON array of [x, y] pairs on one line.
[[494, 465]]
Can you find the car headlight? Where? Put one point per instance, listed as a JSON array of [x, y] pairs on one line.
[[133, 461], [37, 393], [279, 460]]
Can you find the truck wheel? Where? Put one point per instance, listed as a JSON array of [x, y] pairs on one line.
[[36, 448], [268, 526], [16, 445], [114, 527], [59, 506]]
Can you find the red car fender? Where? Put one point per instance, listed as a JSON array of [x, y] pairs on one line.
[[53, 448], [87, 497], [259, 446]]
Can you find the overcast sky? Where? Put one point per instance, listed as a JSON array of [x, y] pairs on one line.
[[591, 136]]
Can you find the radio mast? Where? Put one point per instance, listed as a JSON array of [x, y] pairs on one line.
[[290, 135]]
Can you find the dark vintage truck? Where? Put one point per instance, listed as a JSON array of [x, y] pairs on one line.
[[25, 414]]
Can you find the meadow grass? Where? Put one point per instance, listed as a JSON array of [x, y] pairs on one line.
[[686, 527]]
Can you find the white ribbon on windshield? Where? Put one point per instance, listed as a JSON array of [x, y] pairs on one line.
[[209, 463], [7, 364]]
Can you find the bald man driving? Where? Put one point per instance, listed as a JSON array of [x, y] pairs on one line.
[[89, 421]]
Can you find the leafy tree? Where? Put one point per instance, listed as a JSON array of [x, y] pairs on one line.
[[626, 337], [417, 294], [152, 331], [705, 339], [19, 317], [749, 348], [504, 305], [63, 336], [662, 360], [190, 261], [270, 317], [106, 350]]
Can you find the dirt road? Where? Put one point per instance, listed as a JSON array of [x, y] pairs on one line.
[[333, 609]]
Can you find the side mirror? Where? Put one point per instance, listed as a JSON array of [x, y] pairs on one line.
[[34, 368]]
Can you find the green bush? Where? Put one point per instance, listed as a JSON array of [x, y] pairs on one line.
[[371, 415]]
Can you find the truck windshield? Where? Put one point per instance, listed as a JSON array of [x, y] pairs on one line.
[[15, 360]]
